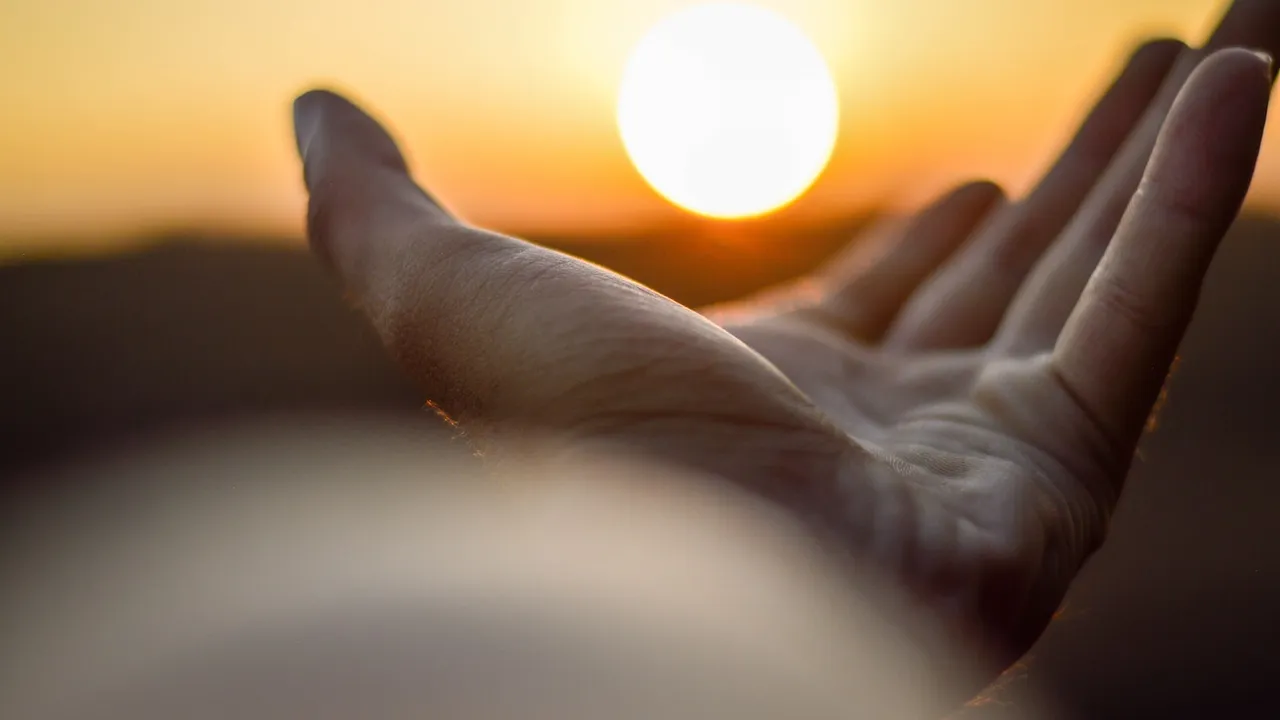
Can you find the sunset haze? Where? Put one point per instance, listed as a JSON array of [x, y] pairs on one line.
[[132, 118]]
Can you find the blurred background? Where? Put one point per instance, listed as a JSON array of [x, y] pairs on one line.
[[125, 119], [153, 274]]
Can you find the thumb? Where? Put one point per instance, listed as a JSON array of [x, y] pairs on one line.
[[500, 332]]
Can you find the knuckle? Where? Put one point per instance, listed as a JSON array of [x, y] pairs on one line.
[[1176, 204]]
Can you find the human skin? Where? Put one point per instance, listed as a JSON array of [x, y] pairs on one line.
[[955, 407]]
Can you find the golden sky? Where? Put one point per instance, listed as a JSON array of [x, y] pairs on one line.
[[129, 116]]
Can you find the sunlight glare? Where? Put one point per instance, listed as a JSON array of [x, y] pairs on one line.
[[728, 110]]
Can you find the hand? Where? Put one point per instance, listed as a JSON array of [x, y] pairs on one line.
[[961, 419]]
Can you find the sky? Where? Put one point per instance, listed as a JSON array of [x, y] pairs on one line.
[[126, 117]]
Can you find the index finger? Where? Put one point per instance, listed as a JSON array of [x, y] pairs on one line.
[[1046, 298], [1115, 351]]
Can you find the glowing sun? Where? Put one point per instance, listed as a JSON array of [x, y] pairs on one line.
[[728, 110]]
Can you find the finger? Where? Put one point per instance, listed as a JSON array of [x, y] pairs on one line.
[[872, 281], [504, 334], [962, 305], [1046, 300], [354, 173], [1118, 344]]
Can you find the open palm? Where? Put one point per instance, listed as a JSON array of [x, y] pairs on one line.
[[958, 410]]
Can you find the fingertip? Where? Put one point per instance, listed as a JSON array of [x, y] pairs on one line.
[[982, 191], [1214, 130], [1266, 58], [316, 96], [322, 101], [1237, 65], [970, 202], [360, 193], [965, 200], [1159, 51], [326, 122], [307, 111]]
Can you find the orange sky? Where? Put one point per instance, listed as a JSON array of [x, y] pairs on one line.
[[127, 116]]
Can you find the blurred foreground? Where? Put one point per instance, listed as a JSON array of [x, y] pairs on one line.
[[356, 571]]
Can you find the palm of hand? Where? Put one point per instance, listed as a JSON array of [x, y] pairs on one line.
[[1010, 482], [961, 411]]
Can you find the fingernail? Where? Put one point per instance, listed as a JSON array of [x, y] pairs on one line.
[[306, 121], [1266, 58]]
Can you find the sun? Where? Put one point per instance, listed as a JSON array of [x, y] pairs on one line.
[[728, 110]]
